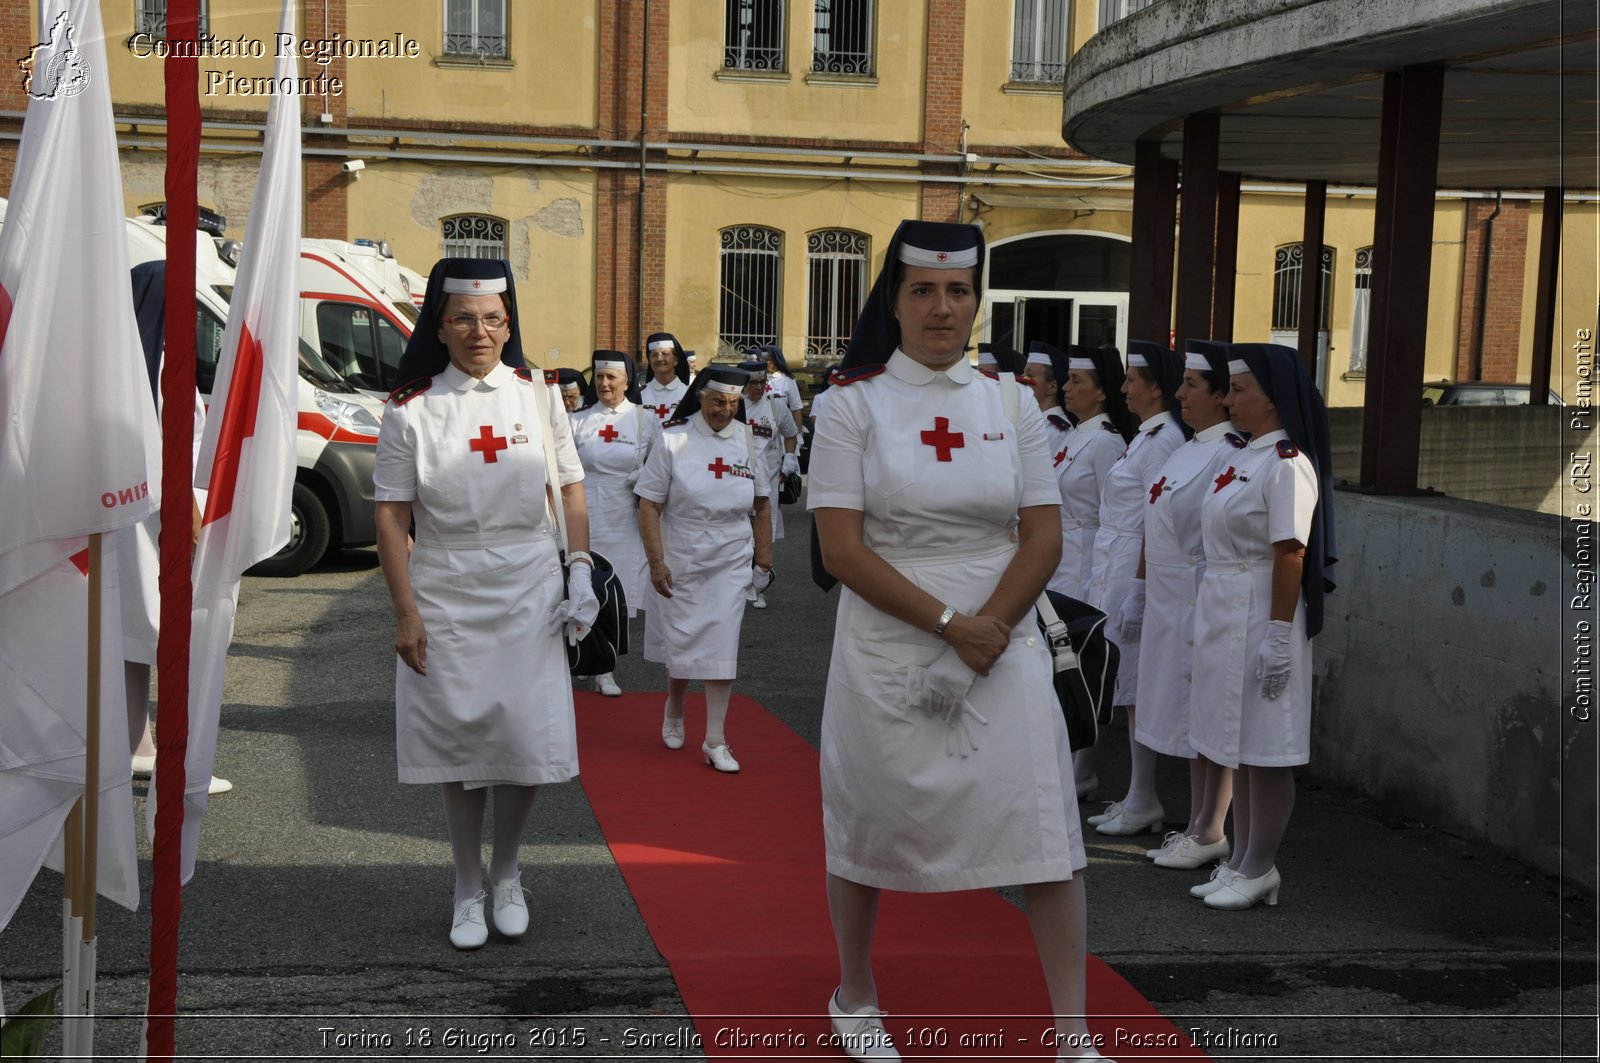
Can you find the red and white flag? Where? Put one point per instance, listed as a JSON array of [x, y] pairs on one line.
[[247, 457], [77, 424]]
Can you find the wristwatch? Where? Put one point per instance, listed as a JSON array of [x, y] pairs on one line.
[[945, 617]]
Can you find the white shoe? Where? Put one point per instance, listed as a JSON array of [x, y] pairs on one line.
[[510, 910], [672, 732], [143, 767], [1221, 875], [861, 1032], [1125, 823], [218, 786], [720, 757], [1113, 810], [1189, 853], [760, 602], [1173, 839], [607, 685], [468, 930]]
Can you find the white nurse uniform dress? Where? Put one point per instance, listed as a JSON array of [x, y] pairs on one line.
[[938, 471], [662, 399], [1264, 494], [1174, 561], [496, 704], [706, 483], [771, 423], [1123, 500], [613, 445], [1082, 464]]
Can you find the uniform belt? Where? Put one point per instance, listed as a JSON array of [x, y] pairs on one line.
[[475, 540], [1171, 560], [1078, 525], [673, 520], [973, 551], [1223, 566]]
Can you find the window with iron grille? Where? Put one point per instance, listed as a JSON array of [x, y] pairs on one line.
[[150, 16], [842, 32], [475, 28], [1039, 40], [753, 35], [1286, 280], [836, 286], [752, 286], [1117, 10], [1361, 310], [473, 236]]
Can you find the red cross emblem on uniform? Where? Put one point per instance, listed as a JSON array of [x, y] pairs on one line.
[[1156, 489], [662, 411], [719, 467], [1224, 480], [488, 444], [608, 433], [942, 440], [1062, 456]]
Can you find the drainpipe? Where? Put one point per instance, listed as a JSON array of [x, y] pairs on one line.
[[1483, 292], [644, 126]]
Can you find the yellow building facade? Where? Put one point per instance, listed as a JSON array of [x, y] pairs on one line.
[[731, 170]]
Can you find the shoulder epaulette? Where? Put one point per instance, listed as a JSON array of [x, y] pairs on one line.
[[551, 376], [1157, 428], [675, 422], [522, 372], [1059, 421], [1287, 449], [1234, 440], [990, 373], [1109, 427], [404, 394], [1027, 381], [841, 377]]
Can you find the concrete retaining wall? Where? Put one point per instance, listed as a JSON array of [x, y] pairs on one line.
[[1442, 672]]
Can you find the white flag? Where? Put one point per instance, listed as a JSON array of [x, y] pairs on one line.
[[75, 398], [247, 458]]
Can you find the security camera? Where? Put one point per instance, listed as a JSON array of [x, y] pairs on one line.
[[352, 166]]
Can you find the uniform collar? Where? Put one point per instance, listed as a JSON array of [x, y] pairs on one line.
[[456, 380], [902, 366], [700, 425], [621, 408], [672, 385], [1159, 419], [1048, 410], [1268, 439], [1094, 422], [1206, 435]]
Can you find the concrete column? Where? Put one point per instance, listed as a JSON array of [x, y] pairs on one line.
[[1225, 261], [1311, 273], [1197, 234], [1155, 219], [1544, 299], [1402, 251]]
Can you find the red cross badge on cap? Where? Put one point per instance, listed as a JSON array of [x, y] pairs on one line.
[[477, 284], [942, 257]]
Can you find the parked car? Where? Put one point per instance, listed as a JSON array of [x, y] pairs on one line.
[[1479, 393]]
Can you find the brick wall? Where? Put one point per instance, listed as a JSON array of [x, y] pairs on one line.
[[327, 188], [941, 104], [1502, 319], [16, 37]]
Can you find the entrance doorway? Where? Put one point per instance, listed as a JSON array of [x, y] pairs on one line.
[[1091, 318], [1062, 287]]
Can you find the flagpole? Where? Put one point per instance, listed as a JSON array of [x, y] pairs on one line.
[[88, 886], [71, 926]]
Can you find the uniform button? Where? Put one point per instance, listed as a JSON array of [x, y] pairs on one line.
[[1029, 640], [1191, 642], [554, 570], [1243, 567]]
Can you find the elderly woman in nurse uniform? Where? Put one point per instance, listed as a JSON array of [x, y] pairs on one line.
[[1267, 529], [482, 698], [708, 542], [945, 761]]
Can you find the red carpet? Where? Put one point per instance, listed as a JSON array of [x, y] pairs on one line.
[[727, 871]]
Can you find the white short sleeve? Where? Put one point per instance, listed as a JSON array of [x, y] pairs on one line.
[[569, 469], [1291, 496], [395, 477], [838, 445], [793, 397], [760, 467], [1039, 486], [655, 479]]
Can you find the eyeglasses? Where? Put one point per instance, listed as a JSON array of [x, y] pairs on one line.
[[468, 323]]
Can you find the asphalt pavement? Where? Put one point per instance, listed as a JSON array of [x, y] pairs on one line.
[[315, 926]]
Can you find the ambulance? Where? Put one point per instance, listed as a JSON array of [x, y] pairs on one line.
[[357, 309]]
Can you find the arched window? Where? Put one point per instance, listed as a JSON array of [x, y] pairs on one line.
[[1361, 311], [836, 286], [1286, 279], [752, 286], [1039, 40], [753, 35], [842, 37], [475, 28], [150, 16], [473, 236]]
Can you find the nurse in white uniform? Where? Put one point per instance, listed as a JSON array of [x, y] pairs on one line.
[[614, 435], [708, 542], [669, 375], [1154, 373], [781, 387], [482, 698], [945, 760], [570, 383], [1169, 573], [1267, 529], [1091, 391], [775, 431]]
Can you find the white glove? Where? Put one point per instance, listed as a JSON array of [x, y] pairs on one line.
[[1130, 619], [941, 690], [791, 464], [759, 581], [577, 612], [1273, 659]]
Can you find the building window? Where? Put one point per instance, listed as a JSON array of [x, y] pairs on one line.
[[1117, 10], [753, 35], [752, 283], [473, 236], [475, 28], [843, 37], [1286, 288], [836, 282], [150, 16], [1361, 310], [1039, 40]]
